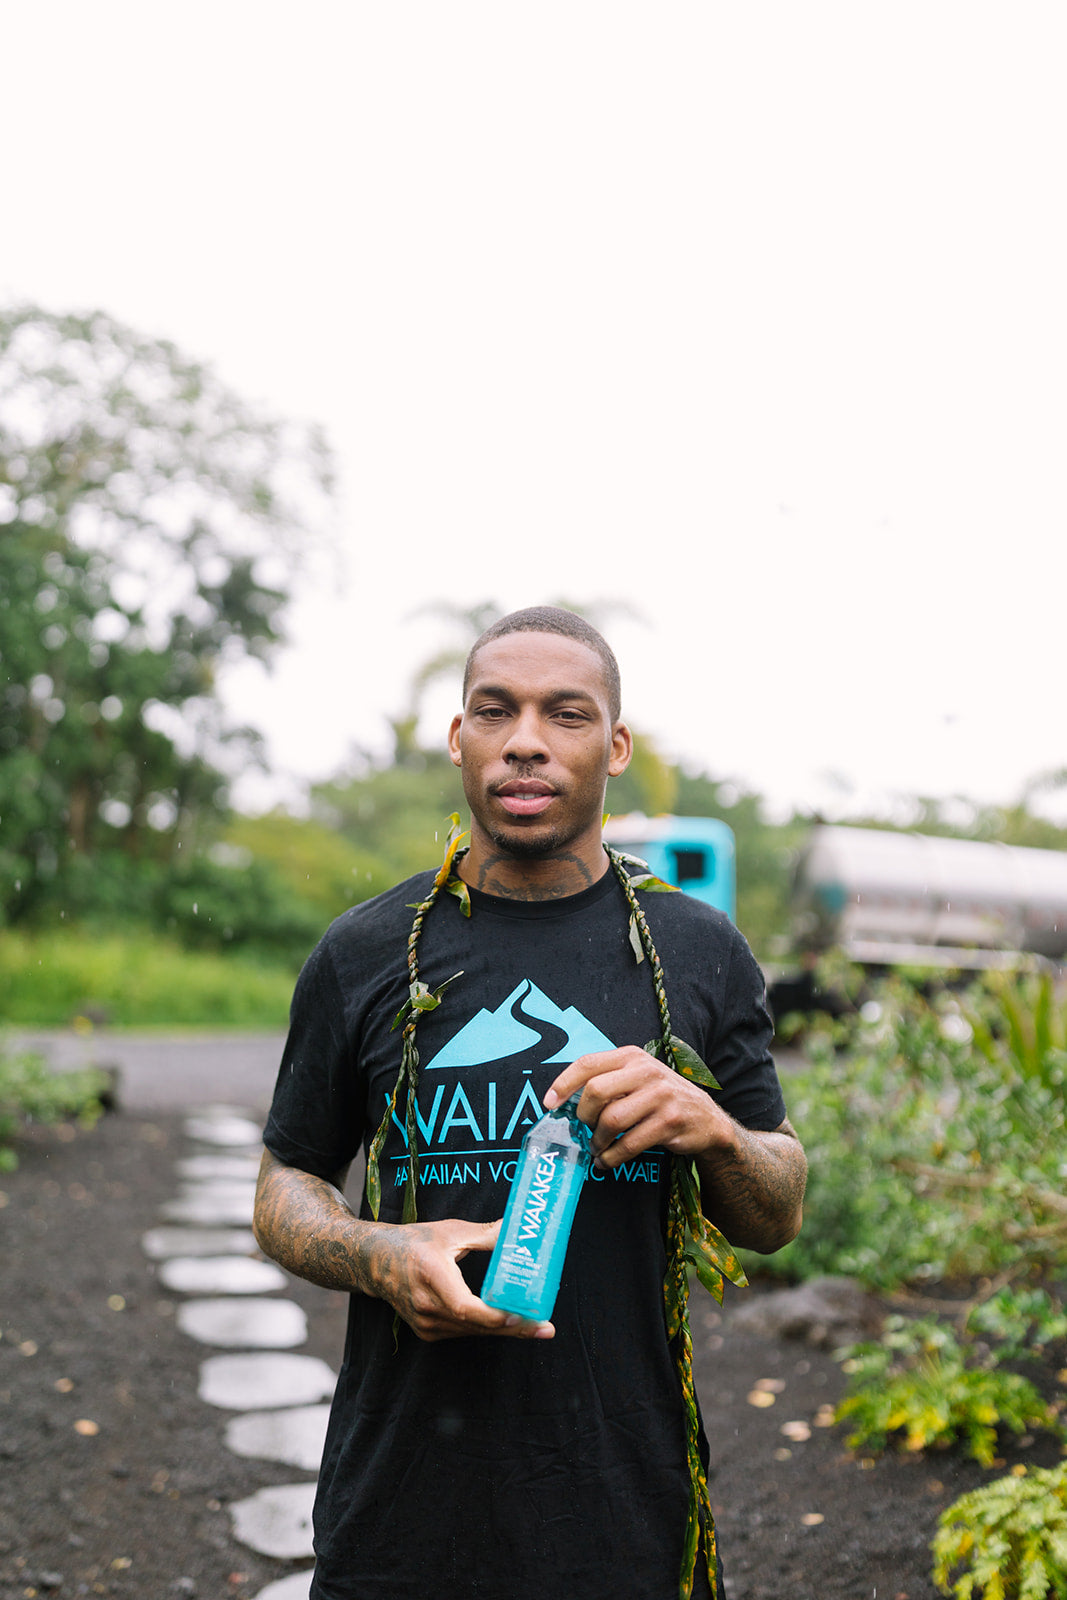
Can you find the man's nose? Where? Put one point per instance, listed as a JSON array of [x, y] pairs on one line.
[[526, 740]]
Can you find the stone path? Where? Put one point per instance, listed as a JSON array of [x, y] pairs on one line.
[[205, 1252]]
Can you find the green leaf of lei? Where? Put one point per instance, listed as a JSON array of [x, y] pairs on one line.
[[690, 1065], [374, 1182], [654, 885], [686, 1060], [421, 998], [457, 887], [706, 1243]]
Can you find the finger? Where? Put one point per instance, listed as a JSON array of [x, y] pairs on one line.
[[682, 1123], [617, 1105], [523, 1328], [627, 1146], [476, 1319], [484, 1238], [605, 1065], [451, 1310], [445, 1307], [507, 1325], [576, 1076], [622, 1084]]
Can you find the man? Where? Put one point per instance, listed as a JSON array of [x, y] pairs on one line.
[[471, 1453]]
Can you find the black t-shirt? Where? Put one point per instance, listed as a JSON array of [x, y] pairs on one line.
[[499, 1468]]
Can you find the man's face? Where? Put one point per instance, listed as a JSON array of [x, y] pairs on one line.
[[536, 744]]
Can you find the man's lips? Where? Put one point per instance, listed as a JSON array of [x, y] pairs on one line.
[[525, 797]]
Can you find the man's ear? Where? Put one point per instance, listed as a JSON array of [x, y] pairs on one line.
[[622, 749], [453, 740]]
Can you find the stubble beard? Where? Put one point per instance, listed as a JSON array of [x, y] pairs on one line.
[[528, 846], [532, 841]]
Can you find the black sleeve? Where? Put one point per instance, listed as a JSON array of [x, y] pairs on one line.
[[316, 1120], [740, 1050]]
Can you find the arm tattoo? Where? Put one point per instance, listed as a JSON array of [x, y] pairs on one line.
[[306, 1225], [754, 1191]]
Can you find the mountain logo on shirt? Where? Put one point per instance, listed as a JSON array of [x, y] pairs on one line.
[[468, 1126], [527, 1024]]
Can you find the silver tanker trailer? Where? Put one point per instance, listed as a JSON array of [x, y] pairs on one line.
[[892, 899], [883, 899]]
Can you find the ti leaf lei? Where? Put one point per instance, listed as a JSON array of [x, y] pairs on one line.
[[692, 1241], [420, 999]]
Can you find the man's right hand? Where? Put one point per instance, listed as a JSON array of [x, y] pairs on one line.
[[415, 1267], [305, 1223]]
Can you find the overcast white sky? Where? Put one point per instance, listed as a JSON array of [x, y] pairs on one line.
[[752, 317]]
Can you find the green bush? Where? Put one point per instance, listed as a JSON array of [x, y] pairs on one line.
[[211, 905], [917, 1381], [931, 1155], [209, 902], [1022, 1321], [322, 870], [31, 1092], [1019, 1020], [48, 980], [1009, 1539]]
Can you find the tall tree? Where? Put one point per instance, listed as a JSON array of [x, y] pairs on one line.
[[151, 523]]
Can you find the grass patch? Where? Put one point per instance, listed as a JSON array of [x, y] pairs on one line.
[[49, 980]]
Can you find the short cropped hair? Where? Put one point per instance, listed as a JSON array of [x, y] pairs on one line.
[[569, 625]]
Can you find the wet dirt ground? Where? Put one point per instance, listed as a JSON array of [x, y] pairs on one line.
[[114, 1479]]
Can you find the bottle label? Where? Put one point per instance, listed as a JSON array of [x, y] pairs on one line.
[[524, 1272], [537, 1202]]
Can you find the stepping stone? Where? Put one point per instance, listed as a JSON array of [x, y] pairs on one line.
[[221, 1275], [252, 1382], [161, 1243], [296, 1587], [226, 1167], [276, 1521], [203, 1203], [254, 1324], [224, 1190], [294, 1437], [214, 1109], [225, 1129]]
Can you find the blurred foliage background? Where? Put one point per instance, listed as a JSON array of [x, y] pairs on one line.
[[152, 529]]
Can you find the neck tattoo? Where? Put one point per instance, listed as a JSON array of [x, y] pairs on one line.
[[559, 888]]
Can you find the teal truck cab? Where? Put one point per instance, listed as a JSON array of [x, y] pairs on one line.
[[695, 854]]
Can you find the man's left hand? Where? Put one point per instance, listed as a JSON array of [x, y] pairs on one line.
[[751, 1182], [633, 1102]]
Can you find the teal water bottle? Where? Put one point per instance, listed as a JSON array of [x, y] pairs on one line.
[[525, 1267]]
